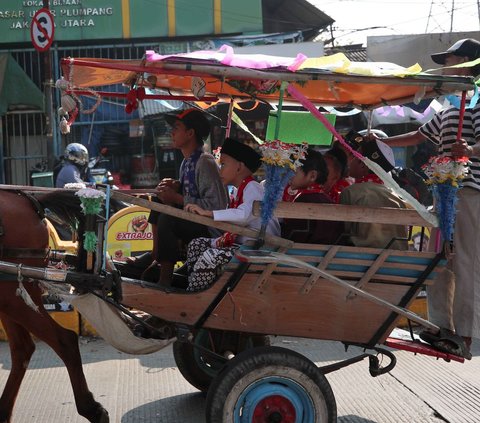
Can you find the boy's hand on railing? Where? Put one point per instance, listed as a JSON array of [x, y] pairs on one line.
[[194, 208]]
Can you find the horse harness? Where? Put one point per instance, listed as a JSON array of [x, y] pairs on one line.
[[25, 253]]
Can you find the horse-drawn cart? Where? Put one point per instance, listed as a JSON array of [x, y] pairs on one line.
[[332, 292]]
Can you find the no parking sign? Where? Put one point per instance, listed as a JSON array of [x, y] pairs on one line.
[[42, 29]]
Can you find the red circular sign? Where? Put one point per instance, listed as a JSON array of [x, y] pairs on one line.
[[42, 29]]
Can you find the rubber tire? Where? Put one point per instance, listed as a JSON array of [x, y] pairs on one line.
[[254, 365], [186, 357]]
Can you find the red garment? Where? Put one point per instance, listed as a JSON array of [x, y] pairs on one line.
[[337, 189], [371, 177], [235, 202], [312, 189], [289, 194], [228, 238]]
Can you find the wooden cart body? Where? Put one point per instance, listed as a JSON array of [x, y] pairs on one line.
[[279, 299]]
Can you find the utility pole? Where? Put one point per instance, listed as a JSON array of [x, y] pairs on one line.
[[478, 11], [451, 15], [438, 9], [47, 86]]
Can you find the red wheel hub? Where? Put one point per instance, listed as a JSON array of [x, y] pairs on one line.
[[274, 409]]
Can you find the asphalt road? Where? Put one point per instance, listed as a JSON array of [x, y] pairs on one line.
[[149, 388]]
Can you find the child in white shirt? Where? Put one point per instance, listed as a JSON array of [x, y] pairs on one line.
[[238, 162]]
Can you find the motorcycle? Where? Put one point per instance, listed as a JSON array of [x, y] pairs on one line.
[[97, 170]]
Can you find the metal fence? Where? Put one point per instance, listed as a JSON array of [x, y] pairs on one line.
[[30, 141]]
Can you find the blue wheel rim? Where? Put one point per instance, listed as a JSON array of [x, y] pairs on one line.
[[290, 390]]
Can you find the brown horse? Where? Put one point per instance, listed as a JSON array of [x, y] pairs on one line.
[[24, 239]]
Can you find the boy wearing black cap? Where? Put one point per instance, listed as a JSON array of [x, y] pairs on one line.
[[238, 162], [368, 190], [453, 300], [199, 184]]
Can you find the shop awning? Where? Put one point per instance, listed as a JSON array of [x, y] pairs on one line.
[[17, 90]]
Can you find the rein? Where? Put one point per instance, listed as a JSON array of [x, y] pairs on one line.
[[24, 253]]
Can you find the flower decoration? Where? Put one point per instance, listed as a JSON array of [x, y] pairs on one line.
[[75, 185], [446, 170], [281, 160], [445, 175], [280, 154], [91, 202], [216, 155]]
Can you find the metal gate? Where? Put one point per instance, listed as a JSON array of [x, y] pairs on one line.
[[24, 143], [25, 146]]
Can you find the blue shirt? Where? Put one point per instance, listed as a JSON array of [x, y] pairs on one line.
[[69, 174]]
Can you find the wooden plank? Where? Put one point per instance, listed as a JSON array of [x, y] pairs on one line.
[[262, 280], [308, 285], [370, 272], [322, 314], [271, 257], [364, 250], [346, 213], [207, 221]]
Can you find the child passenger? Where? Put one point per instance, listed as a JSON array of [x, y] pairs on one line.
[[337, 164], [368, 190], [308, 184], [238, 162]]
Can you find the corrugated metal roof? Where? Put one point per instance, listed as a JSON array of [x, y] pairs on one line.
[[156, 107], [284, 16], [354, 52]]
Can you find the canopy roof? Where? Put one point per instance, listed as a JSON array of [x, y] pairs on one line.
[[330, 80], [17, 90]]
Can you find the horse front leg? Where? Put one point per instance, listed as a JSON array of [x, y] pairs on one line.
[[65, 343], [21, 350]]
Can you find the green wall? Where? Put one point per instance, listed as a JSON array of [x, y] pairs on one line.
[[123, 19]]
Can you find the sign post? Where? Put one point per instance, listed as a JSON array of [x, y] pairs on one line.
[[42, 29]]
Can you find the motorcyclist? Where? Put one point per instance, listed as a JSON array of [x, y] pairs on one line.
[[75, 166]]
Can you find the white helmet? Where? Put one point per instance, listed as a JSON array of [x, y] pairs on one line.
[[76, 153], [379, 133]]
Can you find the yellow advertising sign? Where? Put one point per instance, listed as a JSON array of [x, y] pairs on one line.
[[419, 242], [129, 233]]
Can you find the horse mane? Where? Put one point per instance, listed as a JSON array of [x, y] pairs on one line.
[[65, 204]]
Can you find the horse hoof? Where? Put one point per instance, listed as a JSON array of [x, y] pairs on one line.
[[104, 418], [101, 416]]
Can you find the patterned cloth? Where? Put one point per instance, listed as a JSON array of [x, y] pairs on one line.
[[187, 172], [206, 256], [203, 262]]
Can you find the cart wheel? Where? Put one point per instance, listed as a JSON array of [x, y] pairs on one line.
[[198, 367], [270, 384]]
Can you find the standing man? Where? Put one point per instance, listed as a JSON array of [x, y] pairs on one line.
[[454, 299]]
